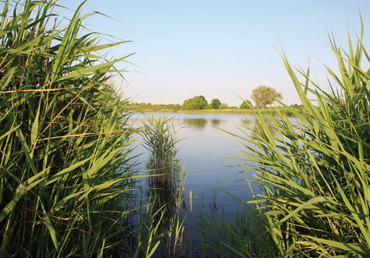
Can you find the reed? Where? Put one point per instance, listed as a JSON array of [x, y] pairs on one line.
[[315, 175], [165, 185], [64, 139]]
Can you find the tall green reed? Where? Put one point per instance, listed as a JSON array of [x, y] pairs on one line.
[[65, 177], [314, 175], [165, 185]]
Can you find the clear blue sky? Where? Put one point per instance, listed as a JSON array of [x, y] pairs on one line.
[[221, 49]]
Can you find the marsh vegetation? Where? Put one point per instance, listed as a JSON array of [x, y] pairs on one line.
[[69, 186]]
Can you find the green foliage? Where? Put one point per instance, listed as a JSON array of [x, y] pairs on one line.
[[177, 107], [246, 105], [196, 103], [160, 139], [64, 140], [148, 107], [187, 105], [314, 175], [224, 106], [264, 95], [215, 103], [165, 182]]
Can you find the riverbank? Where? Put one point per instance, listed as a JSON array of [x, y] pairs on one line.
[[270, 112]]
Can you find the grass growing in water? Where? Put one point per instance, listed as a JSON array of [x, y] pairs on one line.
[[314, 176], [166, 182], [64, 163]]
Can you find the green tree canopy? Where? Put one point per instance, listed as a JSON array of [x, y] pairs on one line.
[[196, 103], [224, 106], [215, 103], [187, 105], [264, 95], [246, 105]]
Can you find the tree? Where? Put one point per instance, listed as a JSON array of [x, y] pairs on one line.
[[264, 95], [177, 107], [199, 102], [187, 105], [246, 105], [215, 103], [196, 103], [224, 106]]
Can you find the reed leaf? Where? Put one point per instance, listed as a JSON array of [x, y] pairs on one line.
[[314, 174], [65, 167]]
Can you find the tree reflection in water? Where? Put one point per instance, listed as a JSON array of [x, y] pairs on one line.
[[253, 124], [196, 123], [200, 123]]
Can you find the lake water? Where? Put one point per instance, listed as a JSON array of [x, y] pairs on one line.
[[207, 154], [211, 159]]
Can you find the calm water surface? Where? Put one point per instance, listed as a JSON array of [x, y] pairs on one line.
[[211, 161], [210, 157]]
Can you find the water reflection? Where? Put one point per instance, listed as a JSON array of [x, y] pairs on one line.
[[165, 182], [196, 123], [201, 123], [215, 122], [203, 152], [255, 125]]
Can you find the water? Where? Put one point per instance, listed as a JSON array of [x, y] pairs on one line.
[[207, 153], [211, 157]]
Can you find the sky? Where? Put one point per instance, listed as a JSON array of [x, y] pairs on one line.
[[221, 49]]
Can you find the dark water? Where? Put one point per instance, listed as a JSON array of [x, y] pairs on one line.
[[211, 159]]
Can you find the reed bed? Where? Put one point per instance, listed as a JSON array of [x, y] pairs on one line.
[[66, 180], [64, 139], [314, 176], [165, 186]]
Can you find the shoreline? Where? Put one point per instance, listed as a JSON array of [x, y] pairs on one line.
[[270, 112]]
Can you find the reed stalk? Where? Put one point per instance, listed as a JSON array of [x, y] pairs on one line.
[[165, 183], [314, 175], [65, 144]]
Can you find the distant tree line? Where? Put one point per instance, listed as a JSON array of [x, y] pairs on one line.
[[148, 107], [262, 96]]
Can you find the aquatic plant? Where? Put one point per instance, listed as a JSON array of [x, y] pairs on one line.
[[165, 183], [64, 139], [314, 176]]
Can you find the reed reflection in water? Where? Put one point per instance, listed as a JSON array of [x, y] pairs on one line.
[[166, 182]]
